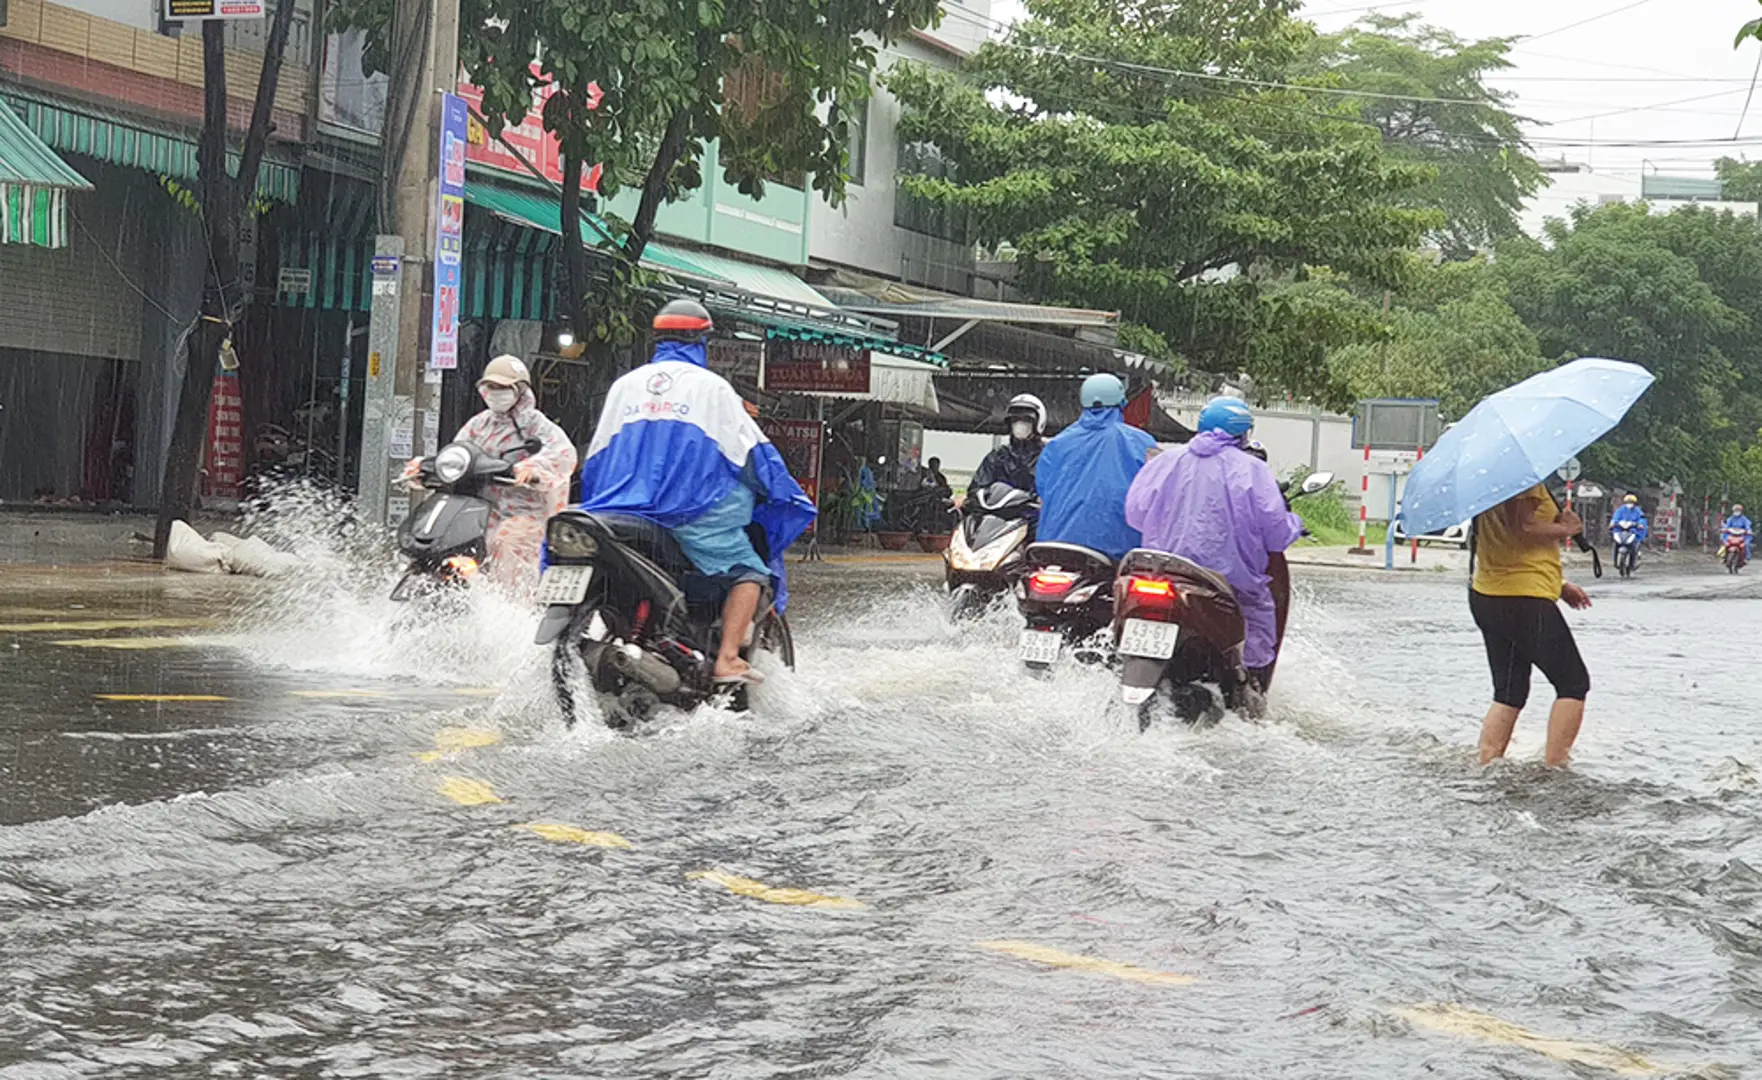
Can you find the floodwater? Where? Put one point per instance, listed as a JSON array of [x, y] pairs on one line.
[[910, 861]]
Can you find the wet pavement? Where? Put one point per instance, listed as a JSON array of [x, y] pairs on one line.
[[279, 829]]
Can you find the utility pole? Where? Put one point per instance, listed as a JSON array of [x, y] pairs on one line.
[[401, 409]]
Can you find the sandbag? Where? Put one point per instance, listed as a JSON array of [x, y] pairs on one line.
[[186, 550], [253, 556]]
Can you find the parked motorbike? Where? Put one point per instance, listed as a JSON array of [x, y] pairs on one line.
[[446, 535], [1734, 553], [1066, 595], [625, 611], [987, 553], [1179, 632], [1626, 535]]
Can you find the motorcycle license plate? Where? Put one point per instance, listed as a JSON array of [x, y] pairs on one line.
[[564, 585], [1155, 640], [1041, 646]]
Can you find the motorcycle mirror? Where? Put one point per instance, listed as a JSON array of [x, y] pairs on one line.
[[1314, 482]]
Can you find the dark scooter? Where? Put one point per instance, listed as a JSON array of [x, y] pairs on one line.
[[446, 536], [1627, 547], [988, 552], [1066, 595], [625, 610]]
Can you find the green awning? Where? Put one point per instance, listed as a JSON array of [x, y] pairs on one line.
[[135, 143], [34, 183], [542, 211]]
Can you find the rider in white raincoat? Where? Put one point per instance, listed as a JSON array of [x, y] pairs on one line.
[[519, 511]]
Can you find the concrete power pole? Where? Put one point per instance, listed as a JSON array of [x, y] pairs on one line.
[[401, 409]]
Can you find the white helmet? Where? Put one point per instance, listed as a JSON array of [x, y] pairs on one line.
[[1029, 403], [505, 370]]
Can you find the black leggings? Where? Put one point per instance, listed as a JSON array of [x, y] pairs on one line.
[[1526, 631]]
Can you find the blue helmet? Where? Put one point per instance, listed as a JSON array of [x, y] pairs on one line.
[[1228, 415], [1104, 390]]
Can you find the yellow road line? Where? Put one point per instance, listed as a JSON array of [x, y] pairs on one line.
[[569, 834], [758, 890], [448, 742], [128, 643], [1042, 954], [1455, 1020], [468, 792], [160, 697], [66, 625]]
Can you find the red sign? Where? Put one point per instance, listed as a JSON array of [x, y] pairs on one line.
[[815, 367], [799, 441], [528, 137], [225, 472]]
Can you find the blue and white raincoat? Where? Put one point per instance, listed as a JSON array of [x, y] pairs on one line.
[[674, 439]]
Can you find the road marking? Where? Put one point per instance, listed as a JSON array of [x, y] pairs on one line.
[[1042, 954], [448, 742], [65, 625], [468, 792], [160, 697], [126, 643], [569, 834], [758, 890], [328, 695], [1455, 1020]]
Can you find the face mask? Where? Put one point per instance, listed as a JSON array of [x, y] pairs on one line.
[[1023, 430], [500, 399]]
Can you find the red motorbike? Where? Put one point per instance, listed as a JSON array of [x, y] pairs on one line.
[[1735, 554]]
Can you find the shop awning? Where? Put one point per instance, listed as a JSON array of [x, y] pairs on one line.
[[542, 211], [895, 380], [770, 281], [877, 296], [34, 183], [140, 144]]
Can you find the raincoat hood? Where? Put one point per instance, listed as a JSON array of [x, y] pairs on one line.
[[1212, 443], [688, 352], [1082, 478]]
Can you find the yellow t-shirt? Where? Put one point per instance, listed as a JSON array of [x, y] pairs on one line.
[[1508, 565]]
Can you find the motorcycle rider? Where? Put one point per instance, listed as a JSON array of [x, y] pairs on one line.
[[518, 511], [1216, 503], [675, 445], [1630, 512], [1739, 525], [1013, 463], [1085, 472]]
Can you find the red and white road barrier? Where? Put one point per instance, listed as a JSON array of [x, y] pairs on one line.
[[1364, 501]]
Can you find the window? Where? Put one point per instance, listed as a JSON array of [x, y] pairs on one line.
[[859, 142], [921, 215], [347, 96]]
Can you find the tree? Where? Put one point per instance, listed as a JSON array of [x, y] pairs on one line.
[[1100, 142], [1436, 109], [642, 86], [224, 199], [1742, 179]]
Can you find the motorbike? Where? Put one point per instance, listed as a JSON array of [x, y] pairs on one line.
[[988, 551], [1627, 548], [1734, 553], [446, 535], [1065, 593], [1179, 631], [624, 609]]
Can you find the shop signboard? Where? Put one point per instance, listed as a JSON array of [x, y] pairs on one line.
[[815, 367], [528, 139], [196, 10], [800, 443], [224, 474]]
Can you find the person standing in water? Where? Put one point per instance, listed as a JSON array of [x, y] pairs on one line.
[[1515, 598]]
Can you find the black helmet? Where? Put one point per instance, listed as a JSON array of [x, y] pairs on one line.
[[684, 320]]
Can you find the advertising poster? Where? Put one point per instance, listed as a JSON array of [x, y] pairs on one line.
[[449, 234]]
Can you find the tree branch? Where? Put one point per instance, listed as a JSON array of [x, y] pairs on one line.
[[654, 186]]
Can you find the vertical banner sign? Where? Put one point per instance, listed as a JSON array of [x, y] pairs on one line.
[[225, 472], [449, 233], [799, 441]]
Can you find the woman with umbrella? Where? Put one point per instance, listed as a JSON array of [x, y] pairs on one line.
[[1490, 467]]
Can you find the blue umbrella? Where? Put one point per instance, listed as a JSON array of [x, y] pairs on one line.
[[1512, 440]]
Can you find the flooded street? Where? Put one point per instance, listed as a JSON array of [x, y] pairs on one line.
[[305, 835]]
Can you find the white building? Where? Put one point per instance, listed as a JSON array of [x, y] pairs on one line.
[[1572, 184]]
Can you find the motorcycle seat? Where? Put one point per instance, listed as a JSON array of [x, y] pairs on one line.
[[648, 539], [1067, 556]]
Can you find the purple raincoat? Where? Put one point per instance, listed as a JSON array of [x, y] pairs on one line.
[[1213, 503]]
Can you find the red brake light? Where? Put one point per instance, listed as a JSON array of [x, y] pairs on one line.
[[1051, 581], [1150, 587]]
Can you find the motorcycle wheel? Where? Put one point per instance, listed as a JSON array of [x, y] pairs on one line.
[[965, 603]]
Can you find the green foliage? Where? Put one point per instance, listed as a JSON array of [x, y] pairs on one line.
[[1466, 132], [1742, 179]]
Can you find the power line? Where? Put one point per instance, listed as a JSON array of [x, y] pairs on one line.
[[1747, 97], [1585, 22]]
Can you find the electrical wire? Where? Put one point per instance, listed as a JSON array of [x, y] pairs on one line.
[[1748, 97], [1585, 22]]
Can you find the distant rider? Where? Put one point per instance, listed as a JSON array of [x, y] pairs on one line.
[[518, 512], [1013, 463], [1739, 525], [1216, 502], [1630, 512], [675, 445], [1085, 472]]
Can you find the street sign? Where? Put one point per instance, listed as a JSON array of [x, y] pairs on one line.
[[1572, 470], [294, 281], [194, 10], [1396, 424], [1589, 491]]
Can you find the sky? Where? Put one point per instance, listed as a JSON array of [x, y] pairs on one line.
[[1625, 75]]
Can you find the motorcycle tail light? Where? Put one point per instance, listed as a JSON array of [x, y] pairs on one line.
[[462, 565], [1150, 587], [1051, 582]]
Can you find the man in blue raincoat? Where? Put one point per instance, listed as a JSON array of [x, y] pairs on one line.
[[1630, 513], [675, 445], [1216, 504], [1739, 524], [1085, 471]]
